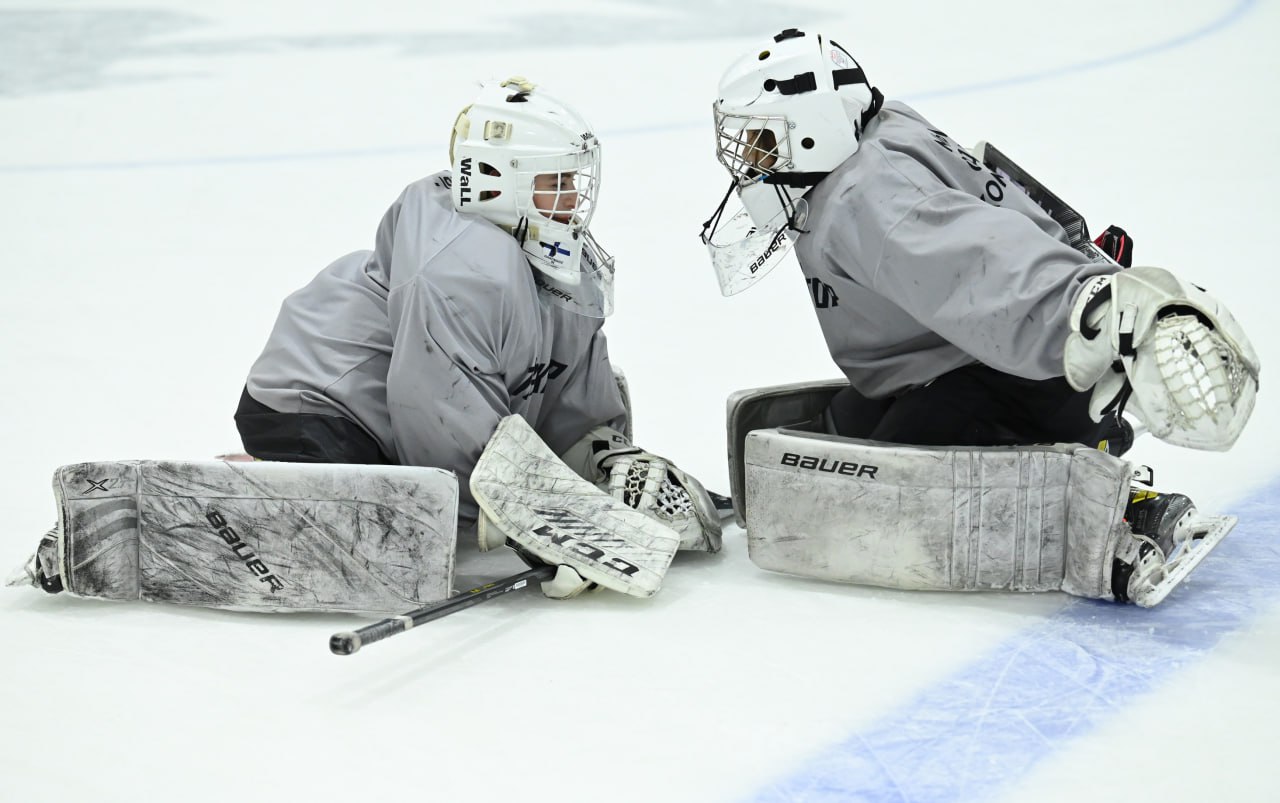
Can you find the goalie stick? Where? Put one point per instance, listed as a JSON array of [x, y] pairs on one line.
[[349, 642], [1062, 212]]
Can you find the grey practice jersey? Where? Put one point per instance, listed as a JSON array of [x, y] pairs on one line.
[[921, 260], [432, 337]]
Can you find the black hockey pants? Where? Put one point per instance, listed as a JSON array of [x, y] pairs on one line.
[[303, 437], [971, 406]]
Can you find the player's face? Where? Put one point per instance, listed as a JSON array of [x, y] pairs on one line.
[[761, 149], [555, 195]]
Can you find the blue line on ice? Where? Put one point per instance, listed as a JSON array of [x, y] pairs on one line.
[[1230, 17], [989, 724]]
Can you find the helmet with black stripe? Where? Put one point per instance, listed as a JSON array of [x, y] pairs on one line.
[[786, 115]]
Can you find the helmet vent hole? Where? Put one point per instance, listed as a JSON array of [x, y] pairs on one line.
[[807, 143], [489, 195], [489, 170], [764, 54], [770, 85]]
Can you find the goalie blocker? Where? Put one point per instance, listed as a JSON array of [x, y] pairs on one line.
[[252, 536], [1032, 518], [528, 496]]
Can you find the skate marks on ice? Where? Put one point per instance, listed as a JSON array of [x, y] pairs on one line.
[[985, 727], [1229, 17], [25, 68], [54, 50]]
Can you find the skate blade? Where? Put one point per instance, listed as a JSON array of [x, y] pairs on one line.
[[1205, 535]]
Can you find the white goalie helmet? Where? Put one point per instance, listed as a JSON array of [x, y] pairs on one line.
[[529, 163], [787, 114]]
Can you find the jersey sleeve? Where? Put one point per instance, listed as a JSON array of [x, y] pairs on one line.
[[456, 332], [589, 398], [446, 387], [987, 279]]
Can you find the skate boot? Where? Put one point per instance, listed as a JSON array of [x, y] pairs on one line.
[[41, 570], [1115, 435], [1169, 538]]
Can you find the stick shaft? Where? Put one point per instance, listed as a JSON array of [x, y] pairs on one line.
[[349, 642]]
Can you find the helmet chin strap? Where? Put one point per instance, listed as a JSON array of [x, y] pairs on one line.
[[521, 230], [794, 221], [877, 100], [795, 179], [795, 217], [710, 224]]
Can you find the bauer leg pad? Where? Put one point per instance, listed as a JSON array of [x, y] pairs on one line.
[[799, 406], [255, 536], [1018, 518]]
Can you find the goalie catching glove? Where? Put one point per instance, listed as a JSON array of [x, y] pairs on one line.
[[1190, 369], [650, 484]]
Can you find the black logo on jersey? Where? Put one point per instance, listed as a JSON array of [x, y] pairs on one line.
[[464, 182], [823, 294], [445, 181], [993, 191], [95, 485], [539, 374]]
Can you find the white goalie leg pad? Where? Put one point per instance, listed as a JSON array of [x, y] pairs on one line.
[[528, 494], [801, 405], [1018, 519], [257, 536]]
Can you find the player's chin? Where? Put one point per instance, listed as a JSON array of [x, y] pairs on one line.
[[558, 217]]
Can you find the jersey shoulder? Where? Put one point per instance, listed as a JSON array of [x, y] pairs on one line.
[[449, 250], [901, 148]]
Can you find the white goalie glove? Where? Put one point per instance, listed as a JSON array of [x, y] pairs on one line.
[[1192, 372], [650, 484]]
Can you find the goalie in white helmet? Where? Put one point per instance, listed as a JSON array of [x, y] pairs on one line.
[[483, 297], [468, 339], [958, 307]]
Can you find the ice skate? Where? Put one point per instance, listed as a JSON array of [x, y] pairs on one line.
[[41, 569], [1116, 435], [1169, 539]]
